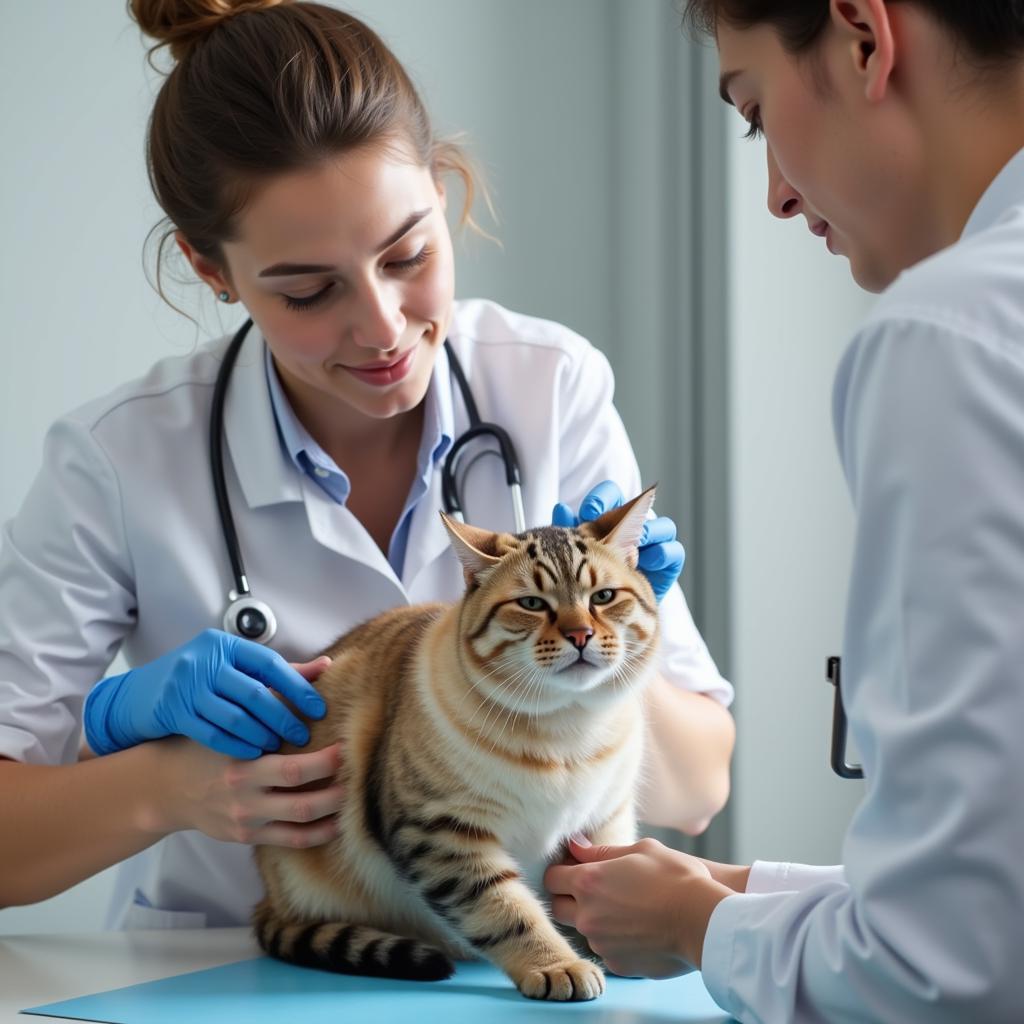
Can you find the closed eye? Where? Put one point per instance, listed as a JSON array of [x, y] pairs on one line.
[[533, 604], [396, 266], [412, 262], [756, 129], [307, 301]]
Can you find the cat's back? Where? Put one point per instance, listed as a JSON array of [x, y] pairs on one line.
[[371, 665], [378, 634]]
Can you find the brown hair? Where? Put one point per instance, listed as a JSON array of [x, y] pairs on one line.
[[263, 87], [990, 31]]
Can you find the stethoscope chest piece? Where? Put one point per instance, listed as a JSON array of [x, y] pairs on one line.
[[250, 618]]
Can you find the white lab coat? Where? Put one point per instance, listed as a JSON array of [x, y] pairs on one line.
[[118, 546], [926, 921]]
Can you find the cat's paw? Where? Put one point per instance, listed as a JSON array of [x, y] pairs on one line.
[[576, 980]]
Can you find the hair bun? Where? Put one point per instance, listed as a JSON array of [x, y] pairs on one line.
[[179, 24]]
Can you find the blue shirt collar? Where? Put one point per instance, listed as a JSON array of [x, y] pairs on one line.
[[307, 456]]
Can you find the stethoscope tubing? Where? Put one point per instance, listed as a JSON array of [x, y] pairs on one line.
[[220, 490]]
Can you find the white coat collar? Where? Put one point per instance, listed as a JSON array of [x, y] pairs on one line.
[[265, 475], [428, 539], [1006, 191]]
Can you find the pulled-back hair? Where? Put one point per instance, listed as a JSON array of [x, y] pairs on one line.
[[264, 87], [990, 31]]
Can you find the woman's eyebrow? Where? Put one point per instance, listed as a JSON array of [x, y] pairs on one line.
[[294, 269], [407, 225]]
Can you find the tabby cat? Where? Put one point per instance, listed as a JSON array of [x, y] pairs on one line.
[[475, 738]]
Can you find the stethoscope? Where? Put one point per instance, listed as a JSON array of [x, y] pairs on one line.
[[249, 617]]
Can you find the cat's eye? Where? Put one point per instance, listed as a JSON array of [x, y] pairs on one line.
[[532, 604], [605, 596]]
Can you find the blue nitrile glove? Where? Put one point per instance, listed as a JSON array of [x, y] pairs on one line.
[[214, 689], [661, 555]]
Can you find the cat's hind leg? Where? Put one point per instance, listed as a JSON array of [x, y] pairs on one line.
[[348, 948]]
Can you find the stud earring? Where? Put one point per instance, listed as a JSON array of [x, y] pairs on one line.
[[224, 296]]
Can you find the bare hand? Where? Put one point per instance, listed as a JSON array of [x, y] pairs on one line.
[[276, 800], [642, 908], [735, 876], [257, 802]]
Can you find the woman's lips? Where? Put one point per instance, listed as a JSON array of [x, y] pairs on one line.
[[823, 229], [381, 376]]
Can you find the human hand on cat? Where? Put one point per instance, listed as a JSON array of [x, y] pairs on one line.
[[661, 555], [215, 689], [278, 800], [644, 908]]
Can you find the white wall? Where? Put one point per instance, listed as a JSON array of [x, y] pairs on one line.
[[793, 307]]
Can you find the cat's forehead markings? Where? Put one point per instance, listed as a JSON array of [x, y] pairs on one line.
[[554, 543]]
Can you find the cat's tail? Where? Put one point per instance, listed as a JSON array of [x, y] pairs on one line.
[[348, 948]]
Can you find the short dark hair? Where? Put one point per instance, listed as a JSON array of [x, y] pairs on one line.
[[991, 31]]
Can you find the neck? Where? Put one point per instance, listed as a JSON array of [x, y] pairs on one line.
[[991, 118]]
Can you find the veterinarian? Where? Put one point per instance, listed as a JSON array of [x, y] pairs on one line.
[[301, 181], [895, 132]]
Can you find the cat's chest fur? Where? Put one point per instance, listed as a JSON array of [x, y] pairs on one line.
[[542, 808]]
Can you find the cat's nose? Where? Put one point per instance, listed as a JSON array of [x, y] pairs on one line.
[[578, 637]]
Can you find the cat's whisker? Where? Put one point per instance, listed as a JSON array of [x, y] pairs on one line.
[[540, 690], [500, 665], [515, 709], [515, 681]]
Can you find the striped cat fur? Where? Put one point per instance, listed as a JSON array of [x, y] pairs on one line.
[[475, 738]]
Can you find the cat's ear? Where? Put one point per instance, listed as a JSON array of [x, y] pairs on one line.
[[477, 549], [621, 528]]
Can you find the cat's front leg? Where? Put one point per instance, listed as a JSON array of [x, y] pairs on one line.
[[618, 830], [467, 879]]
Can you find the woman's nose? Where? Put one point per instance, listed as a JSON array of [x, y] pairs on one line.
[[379, 321], [784, 201]]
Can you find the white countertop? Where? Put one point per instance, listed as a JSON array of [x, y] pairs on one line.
[[37, 969]]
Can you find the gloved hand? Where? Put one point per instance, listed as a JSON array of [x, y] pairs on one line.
[[213, 689], [661, 555]]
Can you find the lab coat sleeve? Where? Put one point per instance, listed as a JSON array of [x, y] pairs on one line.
[[930, 926], [66, 597], [773, 876], [595, 447]]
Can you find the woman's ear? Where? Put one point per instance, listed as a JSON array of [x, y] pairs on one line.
[[205, 268], [867, 27]]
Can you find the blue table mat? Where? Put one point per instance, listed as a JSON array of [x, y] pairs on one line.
[[266, 991]]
